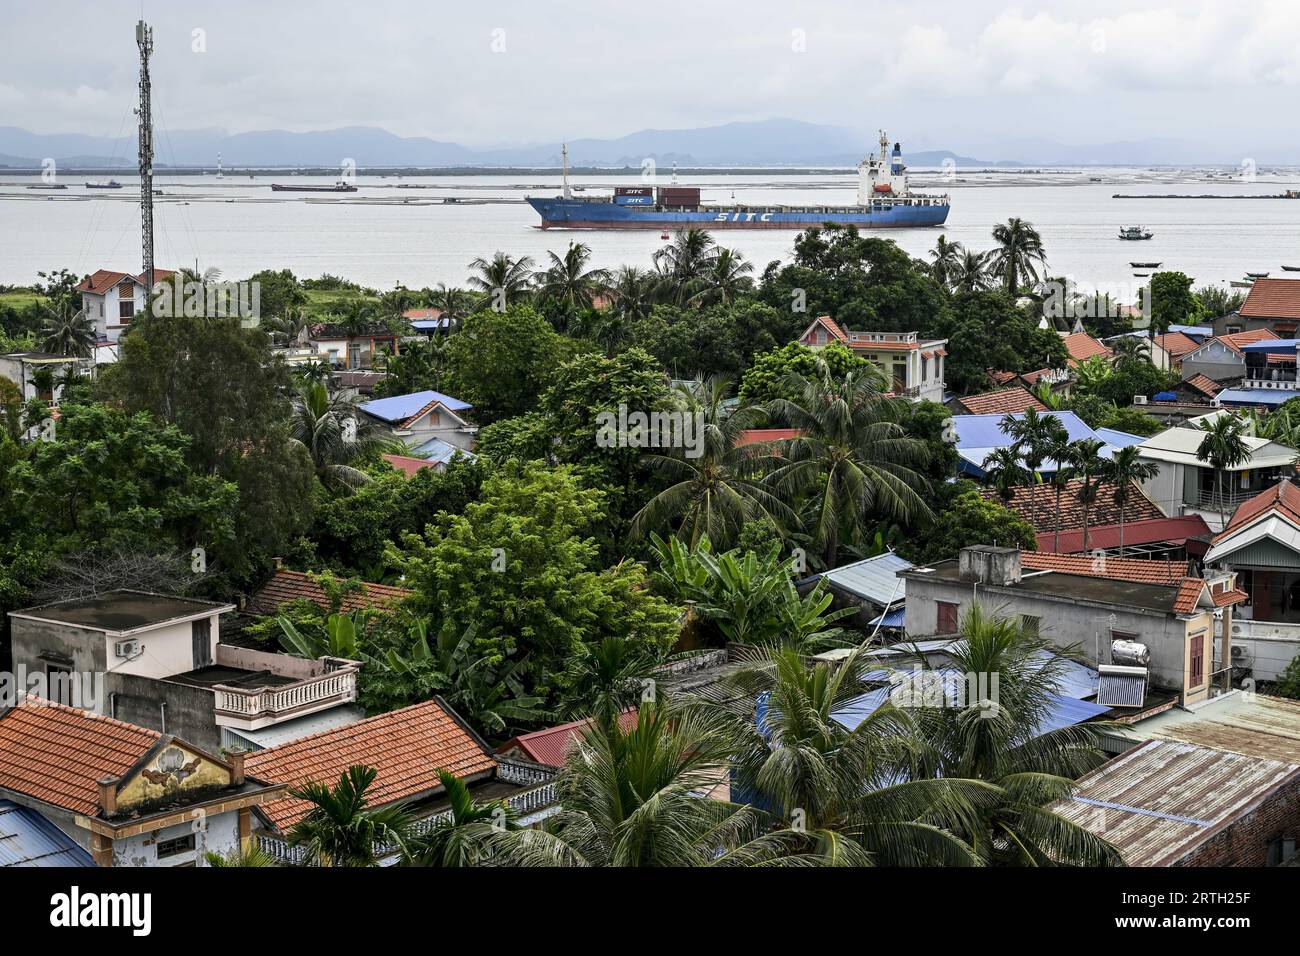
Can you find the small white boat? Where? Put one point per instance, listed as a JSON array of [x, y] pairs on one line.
[[1135, 232]]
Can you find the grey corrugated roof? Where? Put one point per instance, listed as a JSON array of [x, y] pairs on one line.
[[28, 839], [872, 579]]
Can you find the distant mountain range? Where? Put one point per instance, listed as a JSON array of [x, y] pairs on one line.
[[776, 142], [767, 143]]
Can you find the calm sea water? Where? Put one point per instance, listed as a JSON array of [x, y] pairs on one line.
[[392, 231]]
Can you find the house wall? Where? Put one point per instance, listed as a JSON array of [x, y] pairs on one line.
[[218, 833], [164, 651], [1215, 360], [181, 710], [436, 424], [31, 639], [1245, 840], [1068, 622]]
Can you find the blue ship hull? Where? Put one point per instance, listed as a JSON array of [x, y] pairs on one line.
[[561, 213]]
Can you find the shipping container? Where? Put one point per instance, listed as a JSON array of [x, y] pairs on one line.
[[679, 195], [634, 200], [633, 190]]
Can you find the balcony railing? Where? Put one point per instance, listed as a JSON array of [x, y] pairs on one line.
[[253, 708], [531, 806], [1225, 502]]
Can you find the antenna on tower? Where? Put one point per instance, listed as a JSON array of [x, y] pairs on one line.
[[564, 170], [144, 40]]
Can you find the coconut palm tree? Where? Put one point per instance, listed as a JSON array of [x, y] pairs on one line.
[[503, 280], [1224, 446], [608, 677], [993, 736], [243, 856], [68, 331], [1018, 254], [683, 264], [1058, 451], [851, 452], [634, 797], [945, 259], [970, 272], [286, 327], [341, 828], [1125, 467], [1131, 350], [1032, 433], [835, 785], [334, 433], [452, 304], [727, 280], [467, 834], [1005, 470], [633, 292], [1089, 467], [569, 281], [717, 491], [357, 320]]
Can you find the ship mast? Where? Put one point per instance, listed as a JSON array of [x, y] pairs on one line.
[[564, 170], [144, 40]]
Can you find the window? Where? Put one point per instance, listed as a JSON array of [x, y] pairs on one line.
[[169, 848], [1197, 677], [125, 308], [925, 367], [945, 617]]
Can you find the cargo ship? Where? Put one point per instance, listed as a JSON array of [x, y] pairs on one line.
[[883, 202], [339, 187]]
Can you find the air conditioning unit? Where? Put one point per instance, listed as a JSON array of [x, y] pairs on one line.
[[127, 649], [1238, 652], [1139, 399]]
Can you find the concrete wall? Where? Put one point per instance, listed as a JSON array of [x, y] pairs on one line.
[[86, 649], [164, 651], [218, 834], [1245, 840], [181, 710], [1215, 360], [1067, 622]]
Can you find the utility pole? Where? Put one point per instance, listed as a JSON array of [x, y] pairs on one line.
[[144, 40]]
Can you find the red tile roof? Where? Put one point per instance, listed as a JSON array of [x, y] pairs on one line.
[[1083, 346], [56, 754], [1001, 378], [1284, 498], [1177, 344], [406, 748], [552, 745], [1189, 593], [1175, 531], [829, 324], [753, 436], [1204, 384], [1272, 299], [286, 586], [1236, 340], [414, 314], [1037, 505], [1119, 569], [102, 280], [407, 465], [1001, 402]]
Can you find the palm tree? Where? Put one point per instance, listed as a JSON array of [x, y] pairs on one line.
[[851, 450], [1131, 350], [502, 279], [1224, 446], [726, 281], [68, 331], [243, 856], [286, 327], [945, 259], [341, 828], [468, 833], [1018, 254], [1033, 433], [1088, 466], [633, 292], [1125, 467], [996, 739], [970, 273], [569, 281], [356, 320], [1005, 470], [632, 797], [839, 791], [452, 304], [1058, 450], [683, 264], [608, 677], [717, 491], [334, 433]]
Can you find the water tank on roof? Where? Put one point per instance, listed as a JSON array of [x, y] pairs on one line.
[[1130, 653]]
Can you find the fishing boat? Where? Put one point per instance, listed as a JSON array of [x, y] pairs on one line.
[[1291, 268], [48, 186], [1145, 265], [1256, 275], [339, 187], [111, 184], [1135, 232]]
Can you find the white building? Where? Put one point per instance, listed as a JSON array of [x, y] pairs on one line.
[[111, 300], [913, 366]]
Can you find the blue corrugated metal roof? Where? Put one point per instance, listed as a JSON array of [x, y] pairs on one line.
[[28, 839], [1256, 396], [978, 436], [894, 617], [427, 325], [395, 408], [872, 579], [1271, 345], [438, 451], [1195, 331]]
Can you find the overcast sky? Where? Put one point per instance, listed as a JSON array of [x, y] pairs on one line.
[[963, 75]]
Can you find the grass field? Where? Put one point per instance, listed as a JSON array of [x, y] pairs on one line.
[[19, 298]]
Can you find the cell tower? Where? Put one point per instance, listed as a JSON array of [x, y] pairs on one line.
[[144, 40]]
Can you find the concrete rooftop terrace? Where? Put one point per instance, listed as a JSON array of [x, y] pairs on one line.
[[118, 612]]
